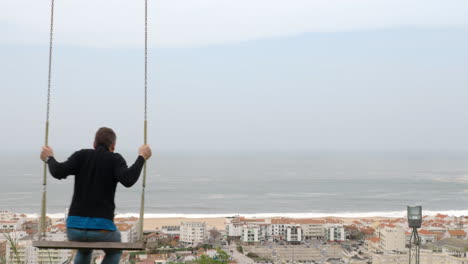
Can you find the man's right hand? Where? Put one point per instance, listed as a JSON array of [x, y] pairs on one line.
[[145, 151]]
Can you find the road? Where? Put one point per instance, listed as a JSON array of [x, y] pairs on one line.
[[240, 258]]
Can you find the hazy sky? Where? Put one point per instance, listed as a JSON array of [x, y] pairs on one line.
[[257, 74]]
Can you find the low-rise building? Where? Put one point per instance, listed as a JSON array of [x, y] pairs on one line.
[[152, 258], [427, 236], [452, 246], [312, 229], [460, 234], [9, 225], [171, 230]]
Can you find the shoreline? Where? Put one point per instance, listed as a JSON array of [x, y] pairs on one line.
[[375, 214]]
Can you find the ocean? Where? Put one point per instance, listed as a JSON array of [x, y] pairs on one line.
[[296, 184]]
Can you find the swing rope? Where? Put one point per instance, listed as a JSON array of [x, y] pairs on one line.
[[46, 139], [145, 128]]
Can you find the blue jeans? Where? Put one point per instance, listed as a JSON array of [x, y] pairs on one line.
[[82, 235]]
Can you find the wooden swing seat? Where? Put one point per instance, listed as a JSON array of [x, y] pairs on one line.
[[88, 245]]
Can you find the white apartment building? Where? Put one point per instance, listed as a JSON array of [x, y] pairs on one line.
[[52, 256], [21, 254], [392, 239], [26, 253], [233, 227], [192, 233], [264, 231], [251, 234], [278, 228], [128, 232], [335, 232], [294, 234]]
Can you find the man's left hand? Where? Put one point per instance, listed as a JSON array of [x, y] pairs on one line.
[[46, 152]]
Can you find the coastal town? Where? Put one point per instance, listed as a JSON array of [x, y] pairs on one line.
[[377, 240]]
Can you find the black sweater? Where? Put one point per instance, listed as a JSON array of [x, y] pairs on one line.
[[97, 173]]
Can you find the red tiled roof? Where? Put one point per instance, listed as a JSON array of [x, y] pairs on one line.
[[367, 230], [374, 239], [387, 225], [457, 233], [426, 232], [441, 216], [123, 227]]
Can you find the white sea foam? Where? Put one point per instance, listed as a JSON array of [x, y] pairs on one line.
[[300, 194], [461, 179], [393, 214], [218, 196]]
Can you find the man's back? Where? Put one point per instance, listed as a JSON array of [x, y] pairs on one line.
[[97, 172]]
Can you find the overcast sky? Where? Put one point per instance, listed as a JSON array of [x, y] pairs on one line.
[[256, 74]]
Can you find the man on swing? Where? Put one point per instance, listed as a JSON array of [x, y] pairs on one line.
[[97, 172]]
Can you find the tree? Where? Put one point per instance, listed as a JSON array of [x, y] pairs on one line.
[[252, 255], [214, 234], [240, 249], [223, 256], [204, 259], [354, 233], [207, 246]]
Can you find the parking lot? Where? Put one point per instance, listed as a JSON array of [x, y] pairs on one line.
[[297, 253]]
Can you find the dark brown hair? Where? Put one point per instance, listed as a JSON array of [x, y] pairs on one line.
[[105, 136]]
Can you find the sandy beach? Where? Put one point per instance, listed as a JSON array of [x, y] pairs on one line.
[[218, 222], [157, 223]]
